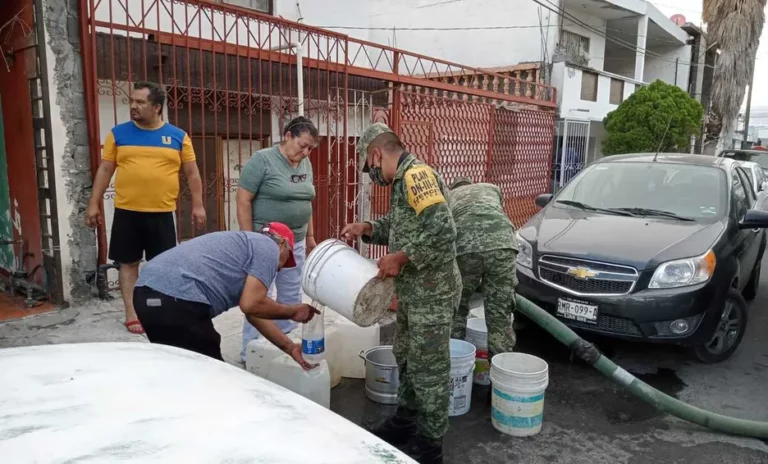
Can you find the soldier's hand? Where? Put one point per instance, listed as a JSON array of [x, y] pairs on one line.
[[391, 264], [356, 230], [304, 313]]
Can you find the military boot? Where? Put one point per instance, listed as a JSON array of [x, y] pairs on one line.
[[399, 429], [426, 450]]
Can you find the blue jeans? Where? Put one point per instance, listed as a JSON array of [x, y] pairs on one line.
[[288, 284]]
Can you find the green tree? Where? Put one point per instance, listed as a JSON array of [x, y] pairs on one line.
[[640, 122]]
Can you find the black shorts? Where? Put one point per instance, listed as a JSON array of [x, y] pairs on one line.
[[171, 321], [136, 233]]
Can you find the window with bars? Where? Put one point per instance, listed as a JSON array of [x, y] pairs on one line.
[[575, 47], [617, 91], [263, 6], [589, 86]]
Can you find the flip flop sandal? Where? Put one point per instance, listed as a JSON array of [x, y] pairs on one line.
[[134, 327]]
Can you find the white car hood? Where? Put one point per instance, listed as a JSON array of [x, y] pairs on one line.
[[136, 402]]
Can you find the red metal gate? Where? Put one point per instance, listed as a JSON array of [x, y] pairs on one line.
[[464, 138], [231, 78]]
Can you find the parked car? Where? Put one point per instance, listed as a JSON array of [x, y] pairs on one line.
[[755, 156], [149, 403], [757, 176], [659, 248]]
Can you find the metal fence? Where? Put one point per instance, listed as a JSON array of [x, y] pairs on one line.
[[572, 151], [232, 81]]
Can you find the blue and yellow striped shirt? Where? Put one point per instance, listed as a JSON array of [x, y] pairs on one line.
[[148, 163]]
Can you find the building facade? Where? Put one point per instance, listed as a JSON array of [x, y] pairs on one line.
[[596, 53]]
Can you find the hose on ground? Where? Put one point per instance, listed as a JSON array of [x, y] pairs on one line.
[[661, 401]]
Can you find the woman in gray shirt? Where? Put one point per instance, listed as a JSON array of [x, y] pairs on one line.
[[276, 185]]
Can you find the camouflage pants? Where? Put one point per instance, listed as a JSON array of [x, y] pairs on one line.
[[421, 347], [492, 273]]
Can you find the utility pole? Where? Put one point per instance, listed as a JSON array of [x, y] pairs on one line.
[[749, 106]]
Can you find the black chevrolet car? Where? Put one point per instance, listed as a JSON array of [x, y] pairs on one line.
[[662, 248]]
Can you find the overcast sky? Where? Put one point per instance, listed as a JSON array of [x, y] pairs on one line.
[[691, 9]]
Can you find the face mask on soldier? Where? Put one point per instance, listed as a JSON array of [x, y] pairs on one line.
[[377, 176]]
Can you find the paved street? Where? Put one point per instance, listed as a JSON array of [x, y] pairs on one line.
[[587, 418], [590, 420]]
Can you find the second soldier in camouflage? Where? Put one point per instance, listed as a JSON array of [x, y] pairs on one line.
[[486, 251]]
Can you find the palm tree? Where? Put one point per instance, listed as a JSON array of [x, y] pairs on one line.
[[734, 27]]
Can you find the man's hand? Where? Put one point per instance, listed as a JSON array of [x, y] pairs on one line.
[[311, 244], [93, 216], [356, 230], [391, 264], [294, 350], [304, 313], [198, 216]]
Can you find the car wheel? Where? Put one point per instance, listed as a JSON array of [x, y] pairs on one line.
[[728, 332], [750, 291]]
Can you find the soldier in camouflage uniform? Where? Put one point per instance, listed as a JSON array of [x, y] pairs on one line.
[[420, 234], [486, 252]]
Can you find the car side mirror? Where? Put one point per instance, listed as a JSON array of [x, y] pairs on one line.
[[543, 199], [754, 219], [764, 186]]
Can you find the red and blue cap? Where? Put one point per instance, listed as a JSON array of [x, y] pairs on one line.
[[281, 230]]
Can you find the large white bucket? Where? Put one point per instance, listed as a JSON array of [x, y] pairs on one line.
[[477, 334], [519, 381], [462, 365], [336, 276]]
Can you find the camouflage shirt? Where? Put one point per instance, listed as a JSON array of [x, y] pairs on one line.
[[481, 224], [419, 223]]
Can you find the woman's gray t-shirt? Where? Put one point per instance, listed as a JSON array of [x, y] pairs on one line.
[[282, 193]]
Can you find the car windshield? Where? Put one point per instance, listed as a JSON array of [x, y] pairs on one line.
[[653, 189]]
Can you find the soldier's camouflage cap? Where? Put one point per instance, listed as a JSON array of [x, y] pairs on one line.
[[460, 182], [369, 136]]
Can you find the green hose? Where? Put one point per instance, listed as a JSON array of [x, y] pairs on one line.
[[642, 390]]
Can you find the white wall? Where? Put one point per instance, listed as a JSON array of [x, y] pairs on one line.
[[663, 67], [235, 154], [349, 13], [486, 48], [570, 105]]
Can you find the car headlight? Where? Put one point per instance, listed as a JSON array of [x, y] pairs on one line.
[[524, 252], [683, 272]]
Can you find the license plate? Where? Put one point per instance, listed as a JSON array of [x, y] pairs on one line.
[[577, 311]]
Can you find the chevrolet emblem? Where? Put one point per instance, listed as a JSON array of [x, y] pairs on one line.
[[581, 273]]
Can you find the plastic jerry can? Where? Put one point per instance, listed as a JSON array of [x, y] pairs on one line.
[[314, 384]]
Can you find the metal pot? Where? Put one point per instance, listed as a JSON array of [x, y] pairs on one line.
[[381, 374]]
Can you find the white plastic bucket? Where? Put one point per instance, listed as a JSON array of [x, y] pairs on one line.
[[519, 381], [462, 365], [477, 334], [336, 276]]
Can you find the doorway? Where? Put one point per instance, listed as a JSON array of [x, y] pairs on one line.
[[208, 152]]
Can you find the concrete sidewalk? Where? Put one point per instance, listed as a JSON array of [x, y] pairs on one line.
[[103, 322]]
